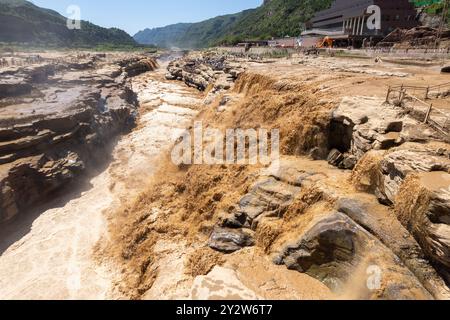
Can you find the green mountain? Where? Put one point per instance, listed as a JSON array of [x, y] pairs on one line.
[[275, 18], [23, 22], [164, 37], [189, 35]]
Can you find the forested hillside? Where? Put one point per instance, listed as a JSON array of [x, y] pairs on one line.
[[23, 22], [275, 18]]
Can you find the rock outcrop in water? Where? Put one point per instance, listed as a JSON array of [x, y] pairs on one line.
[[361, 124], [415, 180], [205, 71], [404, 162], [56, 119]]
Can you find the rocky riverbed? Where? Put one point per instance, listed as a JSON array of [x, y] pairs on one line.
[[57, 120], [360, 194], [356, 207]]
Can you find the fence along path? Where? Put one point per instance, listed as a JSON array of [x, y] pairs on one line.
[[420, 109]]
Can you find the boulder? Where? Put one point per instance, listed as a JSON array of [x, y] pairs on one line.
[[267, 198], [335, 158], [388, 140], [230, 240]]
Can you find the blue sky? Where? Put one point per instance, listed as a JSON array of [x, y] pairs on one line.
[[135, 15]]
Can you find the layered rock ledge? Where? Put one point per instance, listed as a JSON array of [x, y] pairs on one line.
[[206, 72], [57, 119]]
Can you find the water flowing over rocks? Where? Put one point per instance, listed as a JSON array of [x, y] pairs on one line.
[[336, 246], [357, 206], [56, 121], [423, 206], [310, 218], [414, 178]]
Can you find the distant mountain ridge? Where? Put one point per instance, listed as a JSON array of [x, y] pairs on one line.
[[165, 36], [189, 35], [23, 22], [274, 18]]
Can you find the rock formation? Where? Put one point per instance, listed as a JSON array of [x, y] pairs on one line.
[[335, 247], [56, 118], [205, 71], [402, 161], [423, 206], [415, 179]]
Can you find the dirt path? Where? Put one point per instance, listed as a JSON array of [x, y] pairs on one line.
[[54, 259]]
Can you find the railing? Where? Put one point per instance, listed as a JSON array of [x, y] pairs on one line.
[[419, 109], [439, 89], [410, 52], [425, 92]]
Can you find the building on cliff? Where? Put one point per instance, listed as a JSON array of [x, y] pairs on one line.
[[346, 21]]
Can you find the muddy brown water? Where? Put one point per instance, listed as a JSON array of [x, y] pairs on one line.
[[53, 259]]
